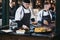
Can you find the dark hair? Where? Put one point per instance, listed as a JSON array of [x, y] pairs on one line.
[[46, 3], [26, 1], [53, 4]]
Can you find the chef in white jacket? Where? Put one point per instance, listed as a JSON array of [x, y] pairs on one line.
[[44, 16], [24, 14]]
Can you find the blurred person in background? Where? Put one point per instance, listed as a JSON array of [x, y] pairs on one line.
[[44, 16], [23, 15], [12, 9], [53, 11]]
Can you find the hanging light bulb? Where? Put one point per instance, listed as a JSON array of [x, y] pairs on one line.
[[10, 1], [51, 1]]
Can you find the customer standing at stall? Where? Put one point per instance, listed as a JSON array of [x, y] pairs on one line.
[[44, 16], [23, 15]]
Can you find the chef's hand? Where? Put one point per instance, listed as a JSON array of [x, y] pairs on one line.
[[45, 22], [24, 27], [34, 23]]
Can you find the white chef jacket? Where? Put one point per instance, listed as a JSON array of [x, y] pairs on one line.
[[39, 14], [19, 13]]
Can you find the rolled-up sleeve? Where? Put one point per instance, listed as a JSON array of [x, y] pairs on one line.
[[17, 14], [39, 16], [32, 14]]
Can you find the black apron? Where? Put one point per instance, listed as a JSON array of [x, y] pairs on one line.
[[48, 18], [25, 20]]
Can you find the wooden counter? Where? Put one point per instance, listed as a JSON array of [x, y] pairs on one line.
[[20, 37]]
